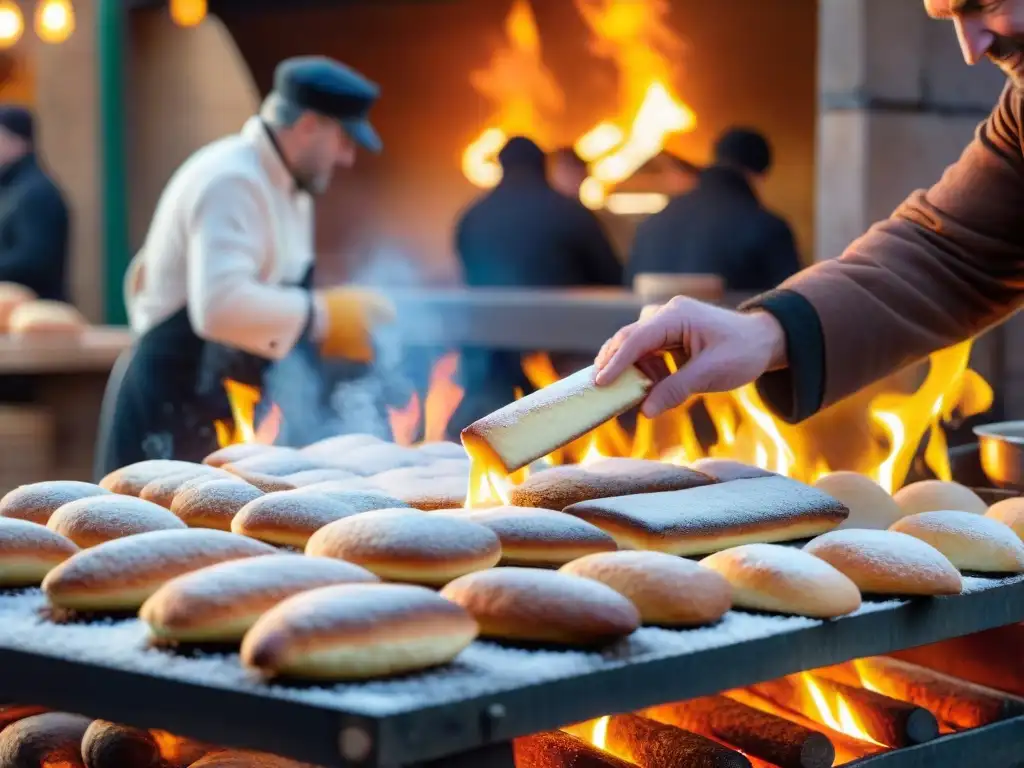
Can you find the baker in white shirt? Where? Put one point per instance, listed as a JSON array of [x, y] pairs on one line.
[[222, 287]]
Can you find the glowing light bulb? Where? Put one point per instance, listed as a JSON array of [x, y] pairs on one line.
[[11, 23], [188, 13], [55, 21]]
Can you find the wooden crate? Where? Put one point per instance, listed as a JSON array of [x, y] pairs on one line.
[[26, 445]]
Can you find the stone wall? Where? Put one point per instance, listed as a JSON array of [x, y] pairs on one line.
[[897, 104]]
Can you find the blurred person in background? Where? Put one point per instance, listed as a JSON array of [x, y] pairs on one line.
[[721, 226], [567, 171], [221, 288], [524, 234], [34, 221], [947, 265]]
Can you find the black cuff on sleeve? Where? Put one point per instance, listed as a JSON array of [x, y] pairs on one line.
[[796, 392], [307, 329]]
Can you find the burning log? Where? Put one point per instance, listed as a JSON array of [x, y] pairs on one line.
[[862, 713], [762, 735], [957, 702], [649, 744], [558, 749], [990, 658], [847, 748]]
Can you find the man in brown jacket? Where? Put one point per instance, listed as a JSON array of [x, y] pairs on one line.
[[945, 266]]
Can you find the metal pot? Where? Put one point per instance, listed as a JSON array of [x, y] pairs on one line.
[[1001, 449]]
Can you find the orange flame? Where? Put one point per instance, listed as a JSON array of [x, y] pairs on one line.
[[637, 38], [442, 399], [525, 92], [834, 711], [243, 400], [876, 432]]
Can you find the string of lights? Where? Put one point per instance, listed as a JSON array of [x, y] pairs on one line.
[[54, 20]]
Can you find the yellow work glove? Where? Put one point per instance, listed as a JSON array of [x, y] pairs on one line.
[[349, 317]]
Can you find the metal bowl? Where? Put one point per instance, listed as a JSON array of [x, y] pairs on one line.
[[1001, 449]]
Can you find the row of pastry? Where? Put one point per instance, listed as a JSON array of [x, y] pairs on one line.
[[358, 603]]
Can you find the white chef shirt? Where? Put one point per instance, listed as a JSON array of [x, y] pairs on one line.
[[230, 233]]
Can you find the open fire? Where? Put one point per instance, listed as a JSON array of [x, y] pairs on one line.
[[817, 719], [878, 432], [635, 37]]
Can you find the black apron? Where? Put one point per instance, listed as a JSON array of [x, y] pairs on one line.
[[167, 390]]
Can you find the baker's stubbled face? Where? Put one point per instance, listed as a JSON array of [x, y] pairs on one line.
[[326, 147], [992, 29]]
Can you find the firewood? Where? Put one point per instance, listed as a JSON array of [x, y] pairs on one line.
[[759, 734], [960, 703], [110, 745], [649, 744], [847, 747], [990, 658], [882, 719], [557, 749]]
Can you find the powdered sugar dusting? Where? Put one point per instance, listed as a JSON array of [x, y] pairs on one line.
[[353, 605], [158, 550], [110, 517], [221, 498], [301, 510], [134, 477], [895, 554], [224, 584], [398, 533], [774, 559], [482, 669], [37, 501], [715, 508], [22, 534], [525, 525]]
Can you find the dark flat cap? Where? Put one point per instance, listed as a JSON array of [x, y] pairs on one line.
[[329, 88], [17, 120], [746, 148]]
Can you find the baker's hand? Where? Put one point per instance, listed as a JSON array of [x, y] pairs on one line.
[[345, 321], [717, 349]]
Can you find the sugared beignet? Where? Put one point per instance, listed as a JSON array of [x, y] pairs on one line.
[[289, 518], [541, 606], [120, 575], [96, 519], [214, 504], [37, 501], [539, 537], [163, 490], [667, 590], [130, 480], [887, 562], [770, 577], [409, 546], [972, 542], [357, 632], [220, 602], [28, 551]]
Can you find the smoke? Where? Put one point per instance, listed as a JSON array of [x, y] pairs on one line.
[[320, 398]]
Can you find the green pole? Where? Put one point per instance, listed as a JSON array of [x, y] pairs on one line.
[[110, 31]]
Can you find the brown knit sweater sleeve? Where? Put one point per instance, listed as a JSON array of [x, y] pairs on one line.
[[947, 264]]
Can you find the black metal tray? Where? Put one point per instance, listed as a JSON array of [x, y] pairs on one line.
[[489, 695]]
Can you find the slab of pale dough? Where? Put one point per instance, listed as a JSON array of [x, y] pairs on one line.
[[697, 521], [558, 487], [527, 429]]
